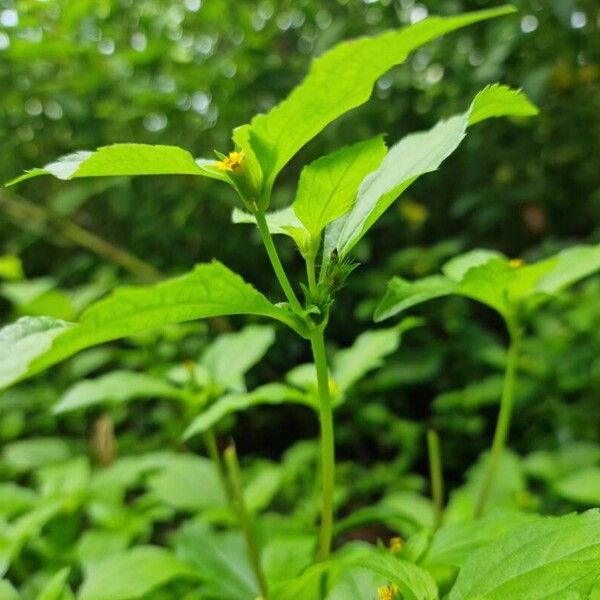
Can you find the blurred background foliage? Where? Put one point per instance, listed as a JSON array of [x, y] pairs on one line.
[[86, 73]]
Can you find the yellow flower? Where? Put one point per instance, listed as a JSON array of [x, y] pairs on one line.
[[515, 263], [396, 544], [232, 161], [387, 592]]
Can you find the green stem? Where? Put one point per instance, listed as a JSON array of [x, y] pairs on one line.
[[284, 282], [317, 341], [310, 274], [235, 479], [503, 422], [210, 441], [437, 478]]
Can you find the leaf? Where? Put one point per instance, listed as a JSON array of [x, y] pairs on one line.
[[454, 543], [210, 290], [31, 454], [413, 156], [553, 558], [120, 160], [367, 353], [338, 81], [220, 559], [7, 591], [133, 574], [498, 100], [279, 221], [328, 186], [187, 483], [231, 355], [115, 387], [270, 393], [582, 487], [492, 279], [56, 586]]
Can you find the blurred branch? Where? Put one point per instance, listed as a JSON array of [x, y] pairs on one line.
[[26, 213]]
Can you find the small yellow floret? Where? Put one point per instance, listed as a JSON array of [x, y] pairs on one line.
[[515, 263], [386, 592], [396, 544], [232, 161]]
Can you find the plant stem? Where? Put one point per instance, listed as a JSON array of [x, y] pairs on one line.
[[504, 417], [437, 478], [284, 282], [310, 274], [235, 479], [210, 441], [317, 341]]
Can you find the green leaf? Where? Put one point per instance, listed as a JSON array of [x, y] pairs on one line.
[[210, 290], [270, 393], [220, 559], [187, 483], [367, 353], [11, 267], [280, 222], [499, 100], [32, 453], [56, 587], [231, 355], [338, 81], [492, 279], [553, 558], [328, 186], [581, 487], [115, 387], [120, 160], [7, 591], [133, 574], [413, 156], [454, 543]]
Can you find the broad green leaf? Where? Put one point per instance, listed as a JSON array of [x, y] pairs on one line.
[[7, 591], [231, 355], [133, 574], [210, 290], [413, 156], [120, 160], [582, 487], [402, 294], [367, 353], [56, 587], [32, 453], [492, 279], [454, 543], [279, 222], [328, 186], [270, 393], [187, 483], [552, 558], [115, 387], [220, 559], [552, 465], [338, 81], [11, 267], [287, 554]]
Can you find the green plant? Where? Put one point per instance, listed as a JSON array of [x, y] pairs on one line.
[[340, 197]]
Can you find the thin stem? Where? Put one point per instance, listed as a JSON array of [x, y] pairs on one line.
[[284, 282], [210, 442], [437, 478], [317, 341], [310, 274], [503, 422], [235, 479]]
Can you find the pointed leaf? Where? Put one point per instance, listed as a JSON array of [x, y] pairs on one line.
[[551, 558], [209, 290], [271, 393], [56, 586], [115, 387], [232, 354], [120, 160], [413, 156], [328, 186], [338, 81], [133, 574]]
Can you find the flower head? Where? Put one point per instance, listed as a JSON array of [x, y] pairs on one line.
[[232, 162]]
